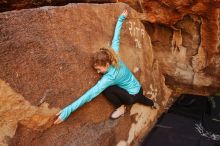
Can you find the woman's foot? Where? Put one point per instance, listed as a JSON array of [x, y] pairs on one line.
[[118, 112]]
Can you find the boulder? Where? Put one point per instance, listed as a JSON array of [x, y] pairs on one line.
[[45, 62]]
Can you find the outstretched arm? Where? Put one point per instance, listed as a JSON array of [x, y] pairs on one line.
[[88, 96], [116, 38]]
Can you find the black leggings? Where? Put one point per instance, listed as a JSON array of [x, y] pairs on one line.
[[118, 96]]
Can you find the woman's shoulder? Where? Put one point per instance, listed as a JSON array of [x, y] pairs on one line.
[[120, 61], [121, 64], [112, 72]]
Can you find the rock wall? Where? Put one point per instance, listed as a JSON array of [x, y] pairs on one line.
[[190, 42], [45, 62], [46, 58]]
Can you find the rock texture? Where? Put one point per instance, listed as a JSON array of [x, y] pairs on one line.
[[45, 62], [46, 58], [14, 109], [190, 42]]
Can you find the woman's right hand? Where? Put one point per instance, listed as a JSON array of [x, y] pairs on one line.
[[125, 13], [58, 120]]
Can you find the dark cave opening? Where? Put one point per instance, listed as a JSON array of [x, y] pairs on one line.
[[193, 120]]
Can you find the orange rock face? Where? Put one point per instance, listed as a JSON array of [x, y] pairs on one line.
[[188, 33], [46, 58], [194, 48], [45, 62]]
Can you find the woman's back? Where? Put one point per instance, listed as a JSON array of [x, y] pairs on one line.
[[123, 77]]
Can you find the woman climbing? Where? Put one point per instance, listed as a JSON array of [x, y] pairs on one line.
[[117, 84]]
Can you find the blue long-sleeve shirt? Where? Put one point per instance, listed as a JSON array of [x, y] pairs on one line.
[[120, 76]]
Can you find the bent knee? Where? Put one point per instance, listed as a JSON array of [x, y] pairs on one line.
[[130, 101]]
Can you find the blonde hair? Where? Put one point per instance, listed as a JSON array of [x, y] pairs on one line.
[[104, 56]]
